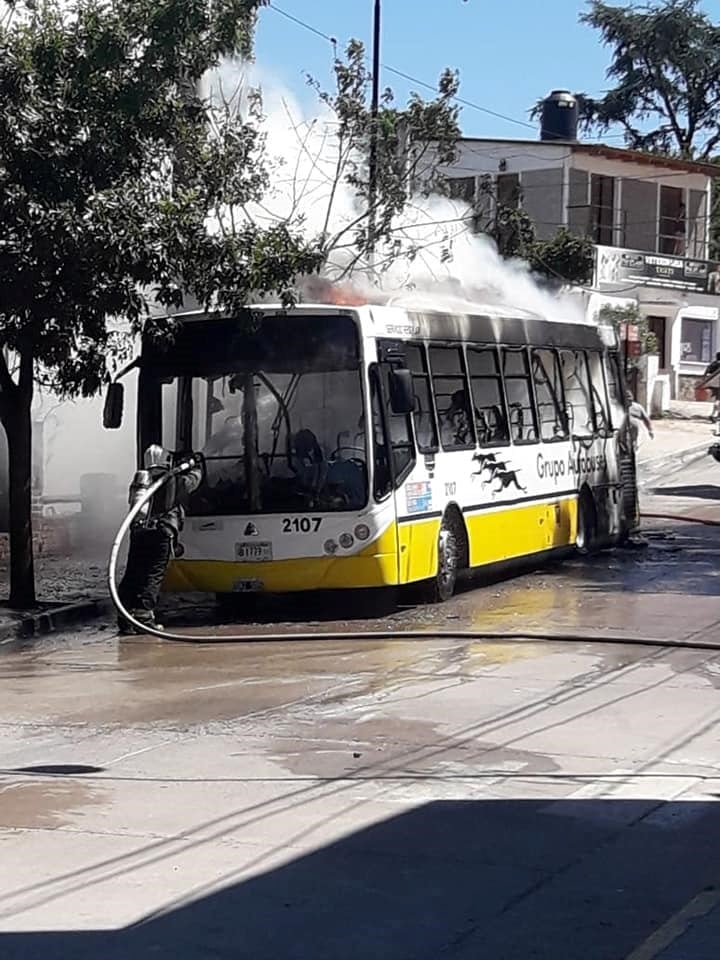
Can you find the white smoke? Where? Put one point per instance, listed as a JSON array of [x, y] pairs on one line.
[[436, 260]]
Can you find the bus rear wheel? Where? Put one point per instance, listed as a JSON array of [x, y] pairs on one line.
[[442, 585], [586, 539]]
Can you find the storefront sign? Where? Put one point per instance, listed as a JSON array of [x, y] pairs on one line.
[[614, 265]]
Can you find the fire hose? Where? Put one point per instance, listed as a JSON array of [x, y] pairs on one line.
[[143, 501]]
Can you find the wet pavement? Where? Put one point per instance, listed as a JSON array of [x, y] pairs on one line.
[[403, 798]]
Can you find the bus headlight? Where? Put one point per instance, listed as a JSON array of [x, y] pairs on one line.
[[362, 531], [330, 546], [346, 540]]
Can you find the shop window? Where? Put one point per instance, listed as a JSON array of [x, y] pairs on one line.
[[696, 341]]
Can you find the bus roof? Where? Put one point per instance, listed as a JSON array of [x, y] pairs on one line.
[[466, 321], [425, 306]]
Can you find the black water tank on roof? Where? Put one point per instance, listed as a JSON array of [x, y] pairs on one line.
[[559, 118]]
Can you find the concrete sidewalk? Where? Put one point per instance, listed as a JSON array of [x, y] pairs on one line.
[[676, 443]]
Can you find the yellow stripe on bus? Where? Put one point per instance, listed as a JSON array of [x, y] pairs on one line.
[[374, 566], [494, 536], [520, 531]]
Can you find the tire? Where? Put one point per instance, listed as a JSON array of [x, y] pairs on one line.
[[442, 585], [586, 539]]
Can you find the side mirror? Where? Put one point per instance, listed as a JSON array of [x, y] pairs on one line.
[[402, 394], [113, 409]]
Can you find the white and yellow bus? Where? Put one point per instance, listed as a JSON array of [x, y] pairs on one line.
[[370, 445]]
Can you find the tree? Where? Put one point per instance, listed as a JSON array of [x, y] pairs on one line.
[[666, 69], [109, 169], [621, 318], [564, 258]]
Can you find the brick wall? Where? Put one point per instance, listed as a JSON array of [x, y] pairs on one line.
[[686, 387], [51, 538]]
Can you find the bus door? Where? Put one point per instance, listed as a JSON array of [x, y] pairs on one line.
[[412, 460], [393, 451]]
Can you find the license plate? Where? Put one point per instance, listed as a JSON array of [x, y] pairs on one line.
[[255, 551], [248, 586]]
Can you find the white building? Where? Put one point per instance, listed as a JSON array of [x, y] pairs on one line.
[[648, 217]]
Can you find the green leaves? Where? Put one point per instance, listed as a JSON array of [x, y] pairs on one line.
[[111, 173], [666, 67], [413, 143]]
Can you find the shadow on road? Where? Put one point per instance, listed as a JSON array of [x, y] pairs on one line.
[[585, 879], [700, 491]]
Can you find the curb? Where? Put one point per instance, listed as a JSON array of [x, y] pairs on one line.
[[26, 632], [649, 470]]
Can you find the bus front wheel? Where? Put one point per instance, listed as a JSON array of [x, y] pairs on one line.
[[442, 585]]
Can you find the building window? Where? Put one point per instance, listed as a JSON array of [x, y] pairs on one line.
[[656, 326], [696, 341], [672, 221], [508, 190], [461, 188], [602, 207]]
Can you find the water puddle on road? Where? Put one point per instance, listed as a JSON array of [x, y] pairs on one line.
[[45, 803]]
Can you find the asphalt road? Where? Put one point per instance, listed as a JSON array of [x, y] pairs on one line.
[[399, 800]]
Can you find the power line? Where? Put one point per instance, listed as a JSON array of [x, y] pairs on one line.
[[301, 23], [461, 100], [406, 76]]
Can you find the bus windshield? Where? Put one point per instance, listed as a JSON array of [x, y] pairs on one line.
[[277, 412]]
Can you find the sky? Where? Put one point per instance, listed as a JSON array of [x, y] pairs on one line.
[[509, 53]]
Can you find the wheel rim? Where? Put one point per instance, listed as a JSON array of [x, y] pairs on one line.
[[585, 531], [580, 538], [447, 560]]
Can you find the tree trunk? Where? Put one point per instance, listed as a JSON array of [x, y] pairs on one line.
[[16, 419]]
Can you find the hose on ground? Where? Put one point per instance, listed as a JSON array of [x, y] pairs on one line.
[[684, 519], [368, 635]]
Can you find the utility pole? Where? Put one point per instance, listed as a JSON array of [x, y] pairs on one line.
[[374, 112]]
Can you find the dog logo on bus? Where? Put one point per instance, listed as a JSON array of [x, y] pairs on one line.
[[490, 470]]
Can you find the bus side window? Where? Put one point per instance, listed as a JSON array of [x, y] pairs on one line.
[[615, 391], [424, 415], [402, 447], [452, 398], [577, 393], [491, 421], [549, 395], [600, 400], [518, 389]]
